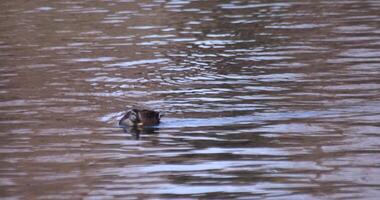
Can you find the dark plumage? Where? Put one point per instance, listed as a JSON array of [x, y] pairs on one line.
[[137, 117]]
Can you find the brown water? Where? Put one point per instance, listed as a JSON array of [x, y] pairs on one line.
[[262, 99]]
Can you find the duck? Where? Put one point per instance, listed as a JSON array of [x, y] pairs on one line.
[[140, 118]]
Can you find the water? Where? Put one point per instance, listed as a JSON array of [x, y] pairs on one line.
[[262, 99]]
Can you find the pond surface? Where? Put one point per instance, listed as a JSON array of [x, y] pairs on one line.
[[262, 99]]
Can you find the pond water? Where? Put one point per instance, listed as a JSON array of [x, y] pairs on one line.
[[262, 99]]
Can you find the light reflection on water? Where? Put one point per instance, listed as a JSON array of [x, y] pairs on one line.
[[262, 99]]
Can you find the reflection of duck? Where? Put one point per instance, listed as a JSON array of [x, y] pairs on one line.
[[138, 118], [136, 131]]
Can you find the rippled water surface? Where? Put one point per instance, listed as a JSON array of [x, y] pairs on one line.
[[262, 99]]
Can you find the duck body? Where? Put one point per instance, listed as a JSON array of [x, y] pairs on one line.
[[140, 117]]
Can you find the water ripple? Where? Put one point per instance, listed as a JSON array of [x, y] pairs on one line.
[[260, 99]]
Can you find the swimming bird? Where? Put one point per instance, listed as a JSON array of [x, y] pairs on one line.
[[140, 117]]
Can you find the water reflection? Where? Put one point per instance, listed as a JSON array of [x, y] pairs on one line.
[[262, 99], [135, 132]]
